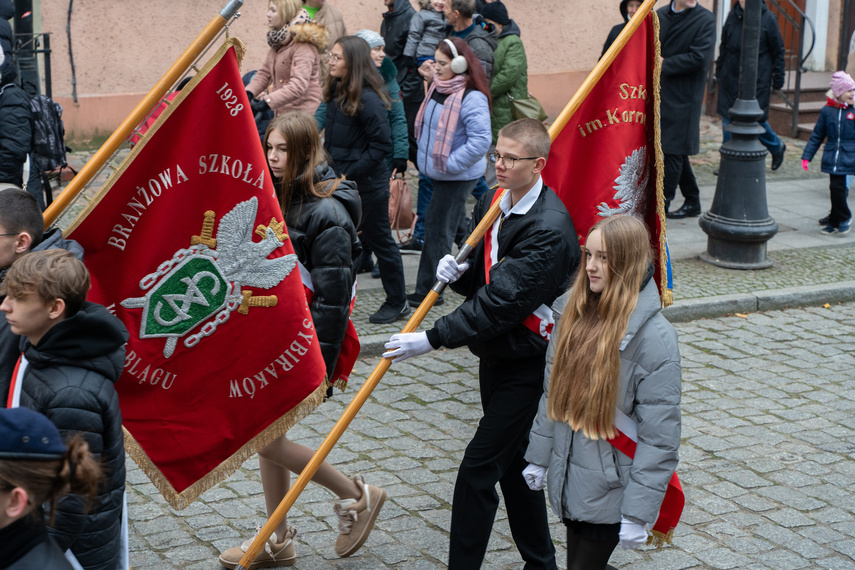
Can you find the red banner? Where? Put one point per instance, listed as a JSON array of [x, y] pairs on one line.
[[186, 245], [607, 158]]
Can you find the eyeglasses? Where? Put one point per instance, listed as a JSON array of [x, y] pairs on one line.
[[334, 57], [508, 161]]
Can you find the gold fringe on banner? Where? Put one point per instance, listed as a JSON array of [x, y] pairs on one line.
[[274, 431], [667, 294], [657, 540]]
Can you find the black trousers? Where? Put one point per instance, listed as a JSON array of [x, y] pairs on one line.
[[589, 546], [679, 171], [839, 204], [377, 235], [411, 110], [510, 392]]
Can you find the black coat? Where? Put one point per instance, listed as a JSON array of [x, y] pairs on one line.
[[70, 380], [617, 29], [395, 29], [770, 60], [9, 341], [16, 127], [7, 38], [323, 233], [25, 545], [358, 145], [538, 254], [688, 42]]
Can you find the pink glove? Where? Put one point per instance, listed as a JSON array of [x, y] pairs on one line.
[[805, 164]]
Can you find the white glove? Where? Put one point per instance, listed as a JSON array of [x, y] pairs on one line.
[[407, 345], [632, 535], [448, 271], [535, 477]]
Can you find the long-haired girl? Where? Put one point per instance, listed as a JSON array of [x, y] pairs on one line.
[[613, 354], [358, 138], [321, 211], [37, 468], [453, 129]]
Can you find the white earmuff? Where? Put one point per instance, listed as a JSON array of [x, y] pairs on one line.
[[458, 62]]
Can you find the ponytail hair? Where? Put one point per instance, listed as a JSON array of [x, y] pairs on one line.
[[45, 481]]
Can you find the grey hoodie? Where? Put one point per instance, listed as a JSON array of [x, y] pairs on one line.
[[589, 480]]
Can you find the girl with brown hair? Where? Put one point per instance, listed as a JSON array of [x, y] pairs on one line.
[[613, 355], [321, 211], [37, 468], [358, 138]]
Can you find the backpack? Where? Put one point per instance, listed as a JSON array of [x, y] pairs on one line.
[[48, 134]]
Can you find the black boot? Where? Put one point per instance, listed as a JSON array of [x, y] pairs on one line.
[[687, 210]]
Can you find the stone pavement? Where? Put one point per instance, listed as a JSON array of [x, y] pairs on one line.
[[766, 460]]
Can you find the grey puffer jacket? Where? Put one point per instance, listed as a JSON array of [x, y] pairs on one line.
[[589, 480]]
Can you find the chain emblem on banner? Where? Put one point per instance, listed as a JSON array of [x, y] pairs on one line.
[[203, 284]]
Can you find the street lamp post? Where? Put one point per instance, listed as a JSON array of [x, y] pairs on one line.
[[738, 224]]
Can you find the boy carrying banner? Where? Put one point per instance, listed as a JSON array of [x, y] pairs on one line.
[[523, 264]]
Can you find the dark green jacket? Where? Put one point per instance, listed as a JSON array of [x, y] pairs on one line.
[[510, 76]]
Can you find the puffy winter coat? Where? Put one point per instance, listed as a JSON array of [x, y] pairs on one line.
[[16, 127], [427, 29], [332, 19], [7, 12], [70, 380], [770, 60], [688, 42], [9, 341], [394, 29], [483, 42], [25, 545], [617, 29], [538, 253], [358, 145], [292, 71], [510, 76], [589, 480], [836, 124], [323, 233], [471, 138]]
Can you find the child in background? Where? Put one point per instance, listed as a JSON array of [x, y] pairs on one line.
[[837, 124], [427, 29], [36, 468]]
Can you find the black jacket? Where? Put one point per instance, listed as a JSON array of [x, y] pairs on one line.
[[770, 60], [395, 30], [358, 145], [483, 41], [688, 42], [538, 254], [9, 341], [25, 545], [7, 12], [323, 233], [16, 127], [617, 29], [70, 380]]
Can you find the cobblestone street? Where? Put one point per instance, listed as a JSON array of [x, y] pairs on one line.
[[767, 460]]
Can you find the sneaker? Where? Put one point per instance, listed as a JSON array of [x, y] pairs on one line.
[[366, 264], [388, 313], [824, 221], [778, 159], [828, 230], [356, 518], [412, 245], [273, 554], [844, 227], [414, 299]]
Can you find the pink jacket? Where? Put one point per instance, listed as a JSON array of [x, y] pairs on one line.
[[291, 72]]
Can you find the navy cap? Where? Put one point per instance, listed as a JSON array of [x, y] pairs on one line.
[[25, 434]]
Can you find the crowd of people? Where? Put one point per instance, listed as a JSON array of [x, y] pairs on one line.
[[568, 331]]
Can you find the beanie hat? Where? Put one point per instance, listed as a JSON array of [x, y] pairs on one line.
[[497, 12], [28, 435], [841, 82], [373, 38]]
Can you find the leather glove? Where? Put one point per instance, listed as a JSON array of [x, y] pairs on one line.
[[406, 345], [805, 164], [448, 271], [535, 477], [258, 106], [632, 535], [249, 95], [399, 165]]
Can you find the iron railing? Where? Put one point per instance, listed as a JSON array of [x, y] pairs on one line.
[[26, 52], [793, 30]]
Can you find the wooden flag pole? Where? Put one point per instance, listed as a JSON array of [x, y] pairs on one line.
[[359, 400], [601, 67], [120, 135]]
